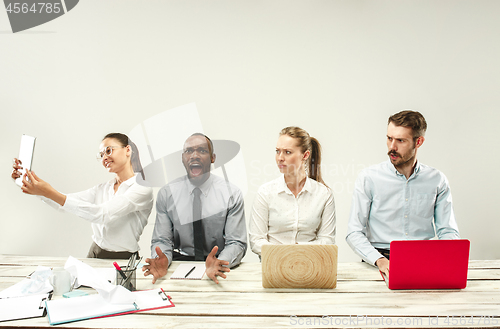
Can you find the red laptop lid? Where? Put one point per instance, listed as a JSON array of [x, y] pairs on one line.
[[429, 264]]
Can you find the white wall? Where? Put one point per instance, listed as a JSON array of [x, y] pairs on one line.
[[336, 68]]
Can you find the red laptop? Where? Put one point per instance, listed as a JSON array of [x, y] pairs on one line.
[[428, 264]]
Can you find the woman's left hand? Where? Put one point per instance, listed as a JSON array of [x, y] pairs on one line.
[[32, 184]]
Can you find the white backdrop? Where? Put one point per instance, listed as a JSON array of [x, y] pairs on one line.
[[335, 68]]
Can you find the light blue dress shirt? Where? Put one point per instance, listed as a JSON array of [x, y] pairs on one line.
[[386, 206]]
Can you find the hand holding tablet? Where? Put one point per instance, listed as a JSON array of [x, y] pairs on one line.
[[25, 159]]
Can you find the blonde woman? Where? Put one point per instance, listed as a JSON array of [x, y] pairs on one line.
[[297, 207]]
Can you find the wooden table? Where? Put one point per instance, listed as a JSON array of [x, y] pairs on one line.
[[361, 299]]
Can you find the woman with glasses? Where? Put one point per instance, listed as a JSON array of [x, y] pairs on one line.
[[118, 209], [297, 207]]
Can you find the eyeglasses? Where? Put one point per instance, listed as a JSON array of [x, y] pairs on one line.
[[108, 150]]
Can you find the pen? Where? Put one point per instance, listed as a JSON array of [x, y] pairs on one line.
[[127, 282], [120, 271], [129, 262], [134, 257], [73, 285], [191, 270]]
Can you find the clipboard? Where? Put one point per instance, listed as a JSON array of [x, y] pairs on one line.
[[148, 300], [94, 306], [16, 308], [26, 151]]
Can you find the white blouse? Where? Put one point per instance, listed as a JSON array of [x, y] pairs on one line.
[[117, 219], [278, 217]]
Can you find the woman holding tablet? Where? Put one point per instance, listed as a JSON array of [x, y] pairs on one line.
[[297, 207], [118, 209]]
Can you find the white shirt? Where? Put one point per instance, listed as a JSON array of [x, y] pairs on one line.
[[118, 219], [278, 217]]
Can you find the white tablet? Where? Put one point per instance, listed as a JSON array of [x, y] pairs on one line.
[[26, 155]]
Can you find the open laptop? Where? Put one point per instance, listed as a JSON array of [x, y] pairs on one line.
[[428, 264], [299, 266]]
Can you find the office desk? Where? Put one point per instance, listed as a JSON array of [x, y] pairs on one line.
[[361, 299]]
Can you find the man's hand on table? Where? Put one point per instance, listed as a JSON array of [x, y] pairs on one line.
[[157, 266], [383, 265], [215, 267]]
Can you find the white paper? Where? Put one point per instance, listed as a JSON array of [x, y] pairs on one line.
[[108, 274], [22, 307], [38, 283], [88, 276], [87, 307], [151, 299], [80, 308], [183, 270]]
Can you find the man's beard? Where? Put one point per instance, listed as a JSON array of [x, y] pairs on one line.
[[401, 160]]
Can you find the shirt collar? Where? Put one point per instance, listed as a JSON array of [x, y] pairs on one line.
[[128, 182], [283, 188], [204, 188], [417, 168], [415, 171]]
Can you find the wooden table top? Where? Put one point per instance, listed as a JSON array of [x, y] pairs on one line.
[[361, 299]]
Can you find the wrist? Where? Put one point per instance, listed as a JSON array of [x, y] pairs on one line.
[[56, 197]]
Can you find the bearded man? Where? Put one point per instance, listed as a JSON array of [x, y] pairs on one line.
[[401, 198]]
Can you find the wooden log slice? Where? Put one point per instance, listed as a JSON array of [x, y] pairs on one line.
[[299, 266]]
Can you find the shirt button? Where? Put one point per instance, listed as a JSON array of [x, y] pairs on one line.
[[406, 199], [406, 233], [406, 216]]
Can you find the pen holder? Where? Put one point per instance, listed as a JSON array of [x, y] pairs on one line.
[[129, 282]]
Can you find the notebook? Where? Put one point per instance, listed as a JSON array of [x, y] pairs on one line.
[[299, 266], [428, 264], [189, 271], [94, 306]]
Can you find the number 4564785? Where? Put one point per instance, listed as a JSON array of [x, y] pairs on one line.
[[40, 7]]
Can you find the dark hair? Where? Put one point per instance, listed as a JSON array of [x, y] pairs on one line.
[[135, 159], [307, 142], [210, 144], [410, 119]]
